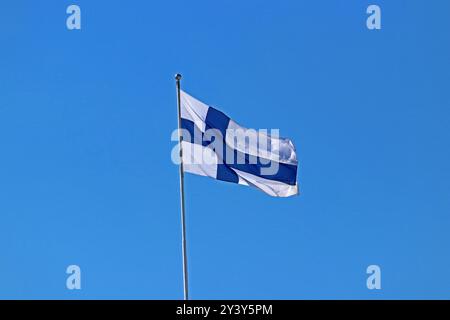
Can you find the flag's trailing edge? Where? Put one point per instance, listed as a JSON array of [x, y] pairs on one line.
[[238, 158]]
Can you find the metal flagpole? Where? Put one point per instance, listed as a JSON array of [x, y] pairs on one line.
[[183, 217]]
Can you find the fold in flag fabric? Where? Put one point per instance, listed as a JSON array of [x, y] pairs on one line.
[[215, 146]]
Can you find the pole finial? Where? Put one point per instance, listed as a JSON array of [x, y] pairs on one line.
[[178, 77]]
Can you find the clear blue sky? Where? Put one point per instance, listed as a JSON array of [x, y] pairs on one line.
[[86, 176]]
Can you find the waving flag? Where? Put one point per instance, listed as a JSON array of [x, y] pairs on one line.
[[213, 145]]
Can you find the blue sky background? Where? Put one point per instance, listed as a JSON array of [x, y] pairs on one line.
[[86, 176]]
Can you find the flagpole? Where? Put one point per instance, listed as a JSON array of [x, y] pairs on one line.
[[183, 217]]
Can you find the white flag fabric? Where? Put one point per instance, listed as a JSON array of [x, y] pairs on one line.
[[215, 146]]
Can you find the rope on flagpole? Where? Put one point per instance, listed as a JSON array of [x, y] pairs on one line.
[[183, 216]]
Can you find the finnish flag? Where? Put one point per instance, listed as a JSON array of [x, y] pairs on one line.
[[215, 146]]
